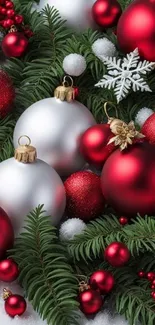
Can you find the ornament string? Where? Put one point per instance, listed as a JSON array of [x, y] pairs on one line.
[[106, 113]]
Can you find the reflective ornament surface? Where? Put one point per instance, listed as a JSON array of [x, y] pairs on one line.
[[55, 127]]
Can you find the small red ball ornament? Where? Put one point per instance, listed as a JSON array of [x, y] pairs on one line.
[[8, 270], [84, 196], [133, 33], [117, 254], [9, 4], [19, 19], [148, 129], [90, 301], [7, 94], [15, 305], [142, 274], [6, 233], [106, 13], [123, 221], [153, 294], [150, 276], [102, 280], [128, 180], [94, 144], [14, 44], [10, 13]]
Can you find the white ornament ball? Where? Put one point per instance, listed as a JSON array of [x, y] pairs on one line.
[[103, 47], [70, 228], [143, 115], [78, 13], [25, 186], [54, 128], [74, 64]]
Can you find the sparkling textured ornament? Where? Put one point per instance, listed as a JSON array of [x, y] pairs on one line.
[[150, 276], [6, 233], [77, 12], [15, 305], [128, 180], [143, 114], [71, 228], [123, 221], [55, 127], [90, 301], [8, 270], [148, 129], [133, 33], [7, 94], [94, 144], [26, 185], [14, 44], [74, 64], [103, 47], [106, 13], [142, 274], [84, 196], [102, 280], [117, 254]]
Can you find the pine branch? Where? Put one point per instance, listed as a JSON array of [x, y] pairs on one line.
[[45, 274], [6, 133]]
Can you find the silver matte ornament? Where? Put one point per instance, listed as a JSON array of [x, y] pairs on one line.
[[55, 127], [27, 182], [76, 12]]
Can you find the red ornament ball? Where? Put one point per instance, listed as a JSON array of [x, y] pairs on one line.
[[106, 13], [153, 294], [103, 281], [94, 144], [123, 221], [14, 44], [8, 270], [84, 196], [15, 305], [90, 301], [133, 33], [150, 276], [7, 94], [10, 13], [142, 274], [6, 233], [153, 282], [148, 129], [19, 19], [128, 180], [9, 4], [117, 254]]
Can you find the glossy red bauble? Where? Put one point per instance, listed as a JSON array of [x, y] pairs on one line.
[[14, 44], [106, 13], [8, 22], [84, 196], [148, 129], [8, 270], [103, 281], [128, 180], [150, 276], [19, 19], [94, 144], [9, 4], [10, 13], [117, 254], [136, 29], [15, 305], [6, 233], [142, 274], [123, 221], [90, 302], [153, 294]]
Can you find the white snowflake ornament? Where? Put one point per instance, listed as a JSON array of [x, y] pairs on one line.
[[125, 74], [70, 228], [74, 64], [103, 47], [143, 115]]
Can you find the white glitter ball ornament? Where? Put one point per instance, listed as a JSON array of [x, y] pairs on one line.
[[70, 228], [143, 115], [74, 64], [27, 182], [77, 13], [55, 127], [103, 47]]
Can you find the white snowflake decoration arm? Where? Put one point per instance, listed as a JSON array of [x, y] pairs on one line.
[[125, 74]]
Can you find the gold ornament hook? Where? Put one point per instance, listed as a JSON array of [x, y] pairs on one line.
[[106, 113], [24, 136], [6, 294], [65, 91]]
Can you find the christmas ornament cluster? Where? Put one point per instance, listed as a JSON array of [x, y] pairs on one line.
[[150, 276]]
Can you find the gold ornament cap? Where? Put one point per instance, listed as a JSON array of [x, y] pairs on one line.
[[65, 91], [25, 153], [83, 286], [6, 294]]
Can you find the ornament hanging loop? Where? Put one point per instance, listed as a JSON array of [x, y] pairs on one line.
[[24, 136], [106, 113], [66, 83]]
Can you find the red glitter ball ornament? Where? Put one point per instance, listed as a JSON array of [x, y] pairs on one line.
[[90, 301], [8, 270], [117, 254], [150, 276], [148, 129], [102, 280], [7, 94], [84, 196]]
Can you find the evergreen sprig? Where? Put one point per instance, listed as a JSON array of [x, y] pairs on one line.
[[46, 275]]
